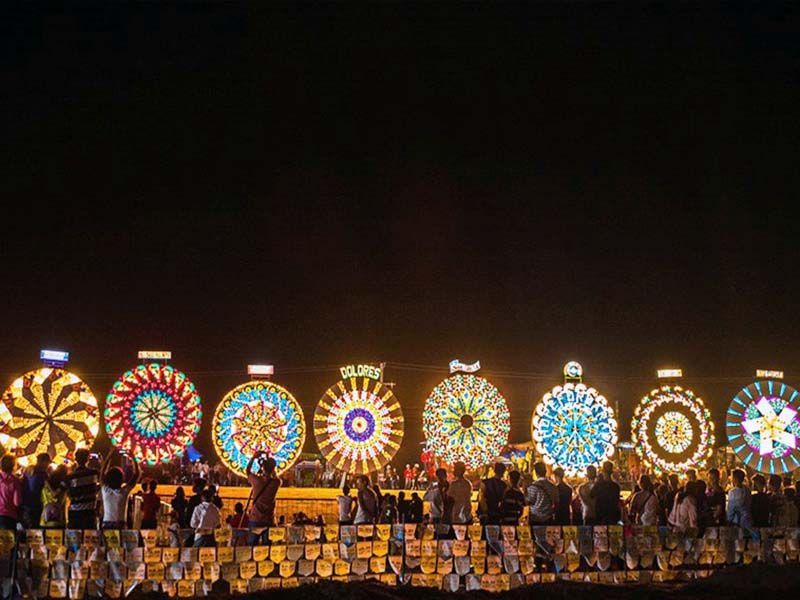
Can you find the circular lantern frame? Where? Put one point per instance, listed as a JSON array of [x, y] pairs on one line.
[[672, 430], [573, 427], [48, 410], [466, 419], [153, 413], [763, 426], [358, 425], [258, 416]]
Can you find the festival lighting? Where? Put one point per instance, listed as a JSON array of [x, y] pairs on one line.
[[763, 427], [47, 410], [153, 413], [258, 416], [457, 366], [672, 430], [466, 419], [358, 422], [573, 426]]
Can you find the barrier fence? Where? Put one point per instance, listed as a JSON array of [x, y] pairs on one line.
[[115, 563]]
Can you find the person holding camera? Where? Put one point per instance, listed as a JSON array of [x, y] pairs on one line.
[[265, 485]]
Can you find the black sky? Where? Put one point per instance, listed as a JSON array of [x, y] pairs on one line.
[[314, 185]]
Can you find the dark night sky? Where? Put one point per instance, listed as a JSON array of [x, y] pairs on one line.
[[320, 185]]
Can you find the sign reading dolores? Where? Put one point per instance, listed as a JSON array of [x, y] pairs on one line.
[[360, 371]]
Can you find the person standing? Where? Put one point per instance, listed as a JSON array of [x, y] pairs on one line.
[[779, 516], [389, 510], [606, 497], [195, 499], [738, 512], [205, 516], [54, 503], [403, 508], [715, 499], [585, 495], [436, 496], [460, 494], [265, 485], [513, 501], [179, 506], [82, 488], [415, 508], [541, 497], [10, 493], [564, 498], [366, 502], [115, 491], [237, 519], [345, 504], [644, 506], [490, 496], [684, 515], [408, 477], [759, 502], [151, 503], [33, 482]]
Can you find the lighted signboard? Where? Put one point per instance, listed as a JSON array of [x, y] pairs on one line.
[[155, 355], [769, 374], [260, 370], [368, 371], [458, 366], [54, 358], [669, 373]]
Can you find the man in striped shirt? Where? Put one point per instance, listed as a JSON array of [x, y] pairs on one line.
[[81, 487]]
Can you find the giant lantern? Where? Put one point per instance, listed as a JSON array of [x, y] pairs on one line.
[[258, 416], [153, 411], [48, 410], [358, 422], [671, 429], [573, 426], [762, 424], [466, 418]]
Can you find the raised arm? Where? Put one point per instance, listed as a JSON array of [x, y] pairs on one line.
[[107, 461], [253, 458], [136, 474]]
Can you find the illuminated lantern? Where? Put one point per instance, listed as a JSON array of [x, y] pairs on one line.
[[672, 430], [573, 426], [466, 418], [763, 427], [258, 416], [153, 413], [358, 422], [48, 410]]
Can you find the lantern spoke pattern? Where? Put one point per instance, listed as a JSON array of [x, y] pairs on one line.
[[358, 425], [466, 419], [763, 427], [573, 427], [47, 410], [153, 412], [672, 430], [258, 416]]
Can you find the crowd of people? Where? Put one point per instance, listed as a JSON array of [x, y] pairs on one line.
[[96, 494], [666, 500]]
